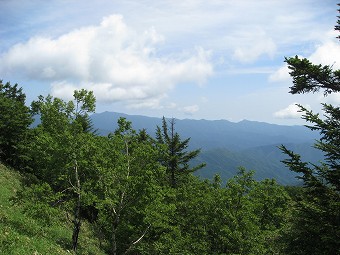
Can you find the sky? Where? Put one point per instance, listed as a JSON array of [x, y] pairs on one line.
[[195, 59]]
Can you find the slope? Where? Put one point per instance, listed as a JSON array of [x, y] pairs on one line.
[[22, 234], [264, 160]]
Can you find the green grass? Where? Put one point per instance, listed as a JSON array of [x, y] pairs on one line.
[[21, 234]]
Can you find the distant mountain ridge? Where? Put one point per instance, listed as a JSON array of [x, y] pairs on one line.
[[228, 145], [210, 134]]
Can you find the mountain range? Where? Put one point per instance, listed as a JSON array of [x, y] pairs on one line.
[[226, 146]]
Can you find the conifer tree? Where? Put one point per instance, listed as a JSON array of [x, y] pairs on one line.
[[175, 158], [15, 120], [316, 222]]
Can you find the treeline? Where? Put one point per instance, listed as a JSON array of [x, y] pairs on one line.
[[138, 192]]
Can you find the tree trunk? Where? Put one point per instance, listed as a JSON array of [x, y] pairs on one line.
[[76, 216], [172, 154], [114, 236], [76, 230]]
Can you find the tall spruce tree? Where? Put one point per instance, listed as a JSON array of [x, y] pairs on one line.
[[316, 223], [175, 158]]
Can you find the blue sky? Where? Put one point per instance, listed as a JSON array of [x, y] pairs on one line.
[[184, 59]]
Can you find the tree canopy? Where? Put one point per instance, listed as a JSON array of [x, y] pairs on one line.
[[316, 225], [175, 157], [15, 119]]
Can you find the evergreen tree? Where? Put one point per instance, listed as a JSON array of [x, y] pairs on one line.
[[15, 119], [175, 157], [316, 222]]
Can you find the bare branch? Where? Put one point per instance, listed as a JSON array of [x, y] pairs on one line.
[[137, 240]]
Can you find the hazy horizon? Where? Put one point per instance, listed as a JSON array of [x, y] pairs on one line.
[[184, 59]]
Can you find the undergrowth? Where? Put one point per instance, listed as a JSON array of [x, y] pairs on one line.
[[23, 234]]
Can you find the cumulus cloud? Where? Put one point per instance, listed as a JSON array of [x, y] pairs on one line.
[[281, 74], [292, 111], [326, 53], [111, 59]]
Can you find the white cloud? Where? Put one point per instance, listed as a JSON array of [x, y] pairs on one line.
[[292, 111], [333, 98], [171, 105], [281, 74], [326, 53], [111, 59], [252, 45], [151, 103], [190, 109]]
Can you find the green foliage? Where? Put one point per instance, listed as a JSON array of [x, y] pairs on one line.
[[38, 202], [61, 148], [128, 193], [308, 77], [85, 102], [245, 217], [15, 119], [128, 190], [271, 204], [315, 228], [24, 232], [175, 157], [337, 26]]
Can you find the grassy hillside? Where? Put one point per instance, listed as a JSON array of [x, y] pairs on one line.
[[22, 234]]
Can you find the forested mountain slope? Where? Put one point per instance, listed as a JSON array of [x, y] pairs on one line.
[[265, 160], [227, 145]]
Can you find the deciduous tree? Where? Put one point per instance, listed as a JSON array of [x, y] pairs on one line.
[[61, 147], [128, 192]]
